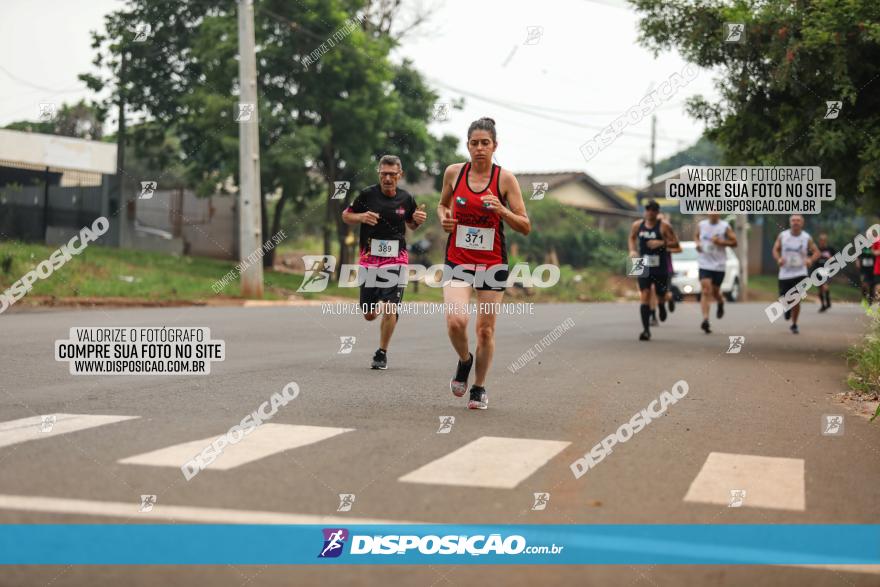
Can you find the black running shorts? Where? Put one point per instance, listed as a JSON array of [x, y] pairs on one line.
[[372, 296], [716, 276], [660, 281]]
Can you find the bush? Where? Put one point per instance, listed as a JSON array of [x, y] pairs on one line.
[[864, 359], [572, 234]]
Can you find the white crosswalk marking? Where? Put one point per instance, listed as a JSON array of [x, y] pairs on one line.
[[767, 482], [50, 425], [263, 441], [489, 461]]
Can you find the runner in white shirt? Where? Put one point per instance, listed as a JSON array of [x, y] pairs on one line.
[[795, 252], [712, 236]]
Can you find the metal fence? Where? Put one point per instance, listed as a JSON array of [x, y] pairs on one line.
[[35, 213], [171, 221]]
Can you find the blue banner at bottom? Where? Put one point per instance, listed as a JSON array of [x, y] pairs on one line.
[[649, 544]]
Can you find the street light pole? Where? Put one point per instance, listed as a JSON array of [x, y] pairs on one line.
[[249, 212]]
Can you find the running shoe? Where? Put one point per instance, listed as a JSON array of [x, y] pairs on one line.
[[823, 308], [672, 303], [794, 329], [661, 308], [719, 312], [380, 359], [705, 327], [645, 335], [479, 399], [787, 314], [654, 321], [458, 385]]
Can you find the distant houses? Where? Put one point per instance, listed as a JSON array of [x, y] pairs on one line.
[[578, 189], [611, 206]]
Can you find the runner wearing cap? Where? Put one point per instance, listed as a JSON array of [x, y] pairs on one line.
[[649, 240]]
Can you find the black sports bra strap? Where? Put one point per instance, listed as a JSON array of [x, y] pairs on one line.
[[497, 181], [461, 173]]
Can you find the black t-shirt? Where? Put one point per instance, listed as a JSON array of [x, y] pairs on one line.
[[393, 212], [867, 260], [825, 253], [654, 233]]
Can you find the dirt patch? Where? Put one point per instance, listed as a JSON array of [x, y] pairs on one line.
[[291, 261], [864, 405], [47, 302]]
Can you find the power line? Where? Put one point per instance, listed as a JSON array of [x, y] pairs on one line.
[[35, 86], [517, 108], [585, 112]]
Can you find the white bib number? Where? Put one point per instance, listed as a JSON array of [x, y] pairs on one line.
[[384, 248], [477, 239], [867, 262], [794, 260], [652, 260], [709, 247]]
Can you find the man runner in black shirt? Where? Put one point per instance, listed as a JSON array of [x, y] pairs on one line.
[[826, 251], [649, 240], [866, 273], [384, 211]]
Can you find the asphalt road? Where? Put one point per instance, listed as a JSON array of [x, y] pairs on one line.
[[758, 412]]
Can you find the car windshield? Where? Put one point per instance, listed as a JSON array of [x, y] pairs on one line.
[[686, 254]]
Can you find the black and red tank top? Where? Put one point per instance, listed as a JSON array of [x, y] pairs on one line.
[[478, 238]]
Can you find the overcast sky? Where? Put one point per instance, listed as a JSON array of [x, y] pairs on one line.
[[549, 93]]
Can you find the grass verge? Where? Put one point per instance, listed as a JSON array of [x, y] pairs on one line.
[[864, 361]]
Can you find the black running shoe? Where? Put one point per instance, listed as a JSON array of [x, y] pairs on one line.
[[823, 308], [794, 329], [479, 399], [719, 312], [645, 335], [705, 327], [661, 308], [380, 360], [672, 303], [458, 385]]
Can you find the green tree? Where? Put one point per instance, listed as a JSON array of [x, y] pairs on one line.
[[773, 86], [703, 152], [81, 120], [323, 117], [569, 233]]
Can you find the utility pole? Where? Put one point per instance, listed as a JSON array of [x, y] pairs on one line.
[[653, 143], [249, 213], [649, 193], [123, 213], [742, 251]]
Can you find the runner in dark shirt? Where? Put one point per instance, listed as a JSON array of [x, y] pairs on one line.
[[826, 251], [384, 211]]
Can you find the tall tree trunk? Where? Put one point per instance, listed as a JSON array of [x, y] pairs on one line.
[[269, 257], [330, 170], [341, 233], [264, 224], [325, 229]]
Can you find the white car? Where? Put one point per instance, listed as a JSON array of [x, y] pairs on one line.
[[685, 276]]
